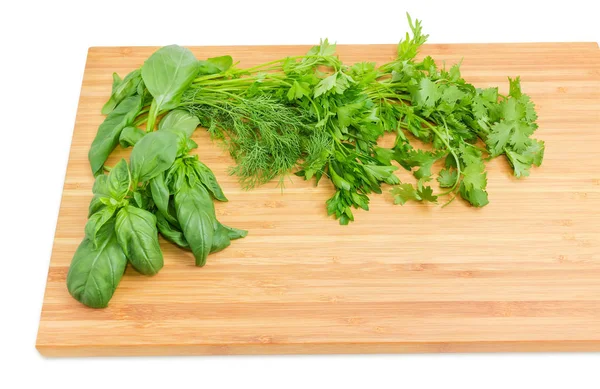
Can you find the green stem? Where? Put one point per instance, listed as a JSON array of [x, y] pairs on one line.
[[449, 201], [388, 95], [209, 104], [141, 119], [450, 149], [224, 92], [266, 67], [241, 81], [152, 114]]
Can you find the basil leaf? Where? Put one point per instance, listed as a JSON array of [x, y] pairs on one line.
[[209, 180], [138, 237], [215, 65], [122, 89], [153, 154], [196, 220], [201, 195], [179, 120], [175, 176], [130, 136], [109, 131], [96, 271], [96, 204], [119, 180], [116, 82], [171, 232], [160, 196], [224, 235], [191, 144], [97, 221], [191, 177], [100, 186], [111, 103], [235, 233], [145, 93], [137, 197], [220, 239], [182, 142], [167, 74]]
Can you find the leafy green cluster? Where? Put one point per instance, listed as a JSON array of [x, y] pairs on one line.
[[464, 125], [316, 117], [162, 189], [342, 112], [310, 115]]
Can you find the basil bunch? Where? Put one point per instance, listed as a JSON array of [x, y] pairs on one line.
[[120, 227], [162, 189]]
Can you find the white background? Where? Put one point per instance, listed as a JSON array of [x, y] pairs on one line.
[[42, 59]]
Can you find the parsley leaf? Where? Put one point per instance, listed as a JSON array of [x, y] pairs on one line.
[[325, 85], [404, 192]]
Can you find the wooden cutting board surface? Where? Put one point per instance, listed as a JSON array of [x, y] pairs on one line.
[[521, 274]]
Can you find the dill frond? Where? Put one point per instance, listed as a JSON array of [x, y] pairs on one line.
[[262, 134]]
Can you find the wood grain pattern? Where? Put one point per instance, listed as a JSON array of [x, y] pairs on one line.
[[521, 274]]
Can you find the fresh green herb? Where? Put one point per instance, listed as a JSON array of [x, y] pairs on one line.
[[96, 270], [130, 136], [153, 154], [138, 236], [122, 89], [195, 216], [109, 131], [167, 74], [309, 115]]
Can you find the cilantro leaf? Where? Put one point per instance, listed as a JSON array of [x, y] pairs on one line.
[[517, 123], [514, 87], [535, 151], [521, 162], [475, 196], [498, 137], [426, 194], [427, 94], [530, 114], [454, 73], [452, 94], [519, 138], [447, 178], [472, 186], [512, 110], [425, 160], [474, 178], [490, 94]]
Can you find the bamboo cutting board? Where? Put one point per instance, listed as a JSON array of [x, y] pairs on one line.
[[521, 274]]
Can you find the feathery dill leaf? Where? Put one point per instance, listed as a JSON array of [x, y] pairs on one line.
[[263, 134]]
